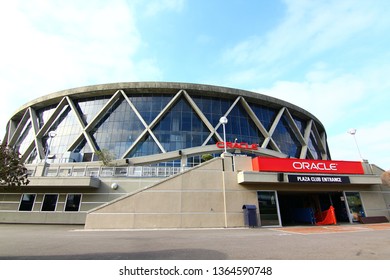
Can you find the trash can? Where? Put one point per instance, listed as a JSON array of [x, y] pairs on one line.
[[250, 215]]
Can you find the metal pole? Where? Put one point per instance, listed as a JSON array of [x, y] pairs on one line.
[[223, 121], [352, 131], [224, 137], [357, 146]]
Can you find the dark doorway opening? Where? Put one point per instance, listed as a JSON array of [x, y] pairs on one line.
[[300, 208]]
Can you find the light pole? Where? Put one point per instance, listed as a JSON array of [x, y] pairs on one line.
[[51, 134], [223, 121], [352, 131]]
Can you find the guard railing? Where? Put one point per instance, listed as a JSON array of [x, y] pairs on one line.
[[104, 171]]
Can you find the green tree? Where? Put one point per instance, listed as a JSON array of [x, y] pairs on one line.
[[206, 157], [13, 173]]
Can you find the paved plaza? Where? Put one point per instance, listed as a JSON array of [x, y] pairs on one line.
[[72, 242]]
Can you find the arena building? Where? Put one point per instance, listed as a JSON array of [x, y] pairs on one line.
[[179, 155]]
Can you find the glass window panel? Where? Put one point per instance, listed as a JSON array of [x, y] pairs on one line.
[[145, 147], [213, 140], [150, 105], [118, 129], [72, 202], [355, 205], [286, 140], [180, 128], [67, 130], [241, 128], [32, 157], [44, 114], [265, 115], [89, 107], [268, 208], [25, 139], [49, 202], [27, 202], [87, 157], [301, 125], [213, 108], [313, 147]]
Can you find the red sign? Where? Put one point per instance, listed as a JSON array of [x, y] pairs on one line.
[[306, 166], [235, 145]]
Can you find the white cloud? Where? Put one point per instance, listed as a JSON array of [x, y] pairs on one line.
[[326, 96], [372, 141], [49, 46], [153, 7], [308, 29], [327, 57]]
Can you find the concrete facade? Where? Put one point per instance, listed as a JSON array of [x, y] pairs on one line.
[[212, 195], [158, 177]]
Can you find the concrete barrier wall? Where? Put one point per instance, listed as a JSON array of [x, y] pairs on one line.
[[205, 196]]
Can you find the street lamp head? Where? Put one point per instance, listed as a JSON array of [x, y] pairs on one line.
[[352, 131], [52, 134], [223, 120]]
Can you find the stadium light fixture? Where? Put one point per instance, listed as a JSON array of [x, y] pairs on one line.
[[224, 121], [51, 134]]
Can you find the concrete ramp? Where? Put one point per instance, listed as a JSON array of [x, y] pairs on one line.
[[192, 199]]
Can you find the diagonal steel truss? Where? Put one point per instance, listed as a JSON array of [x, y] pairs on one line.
[[15, 129]]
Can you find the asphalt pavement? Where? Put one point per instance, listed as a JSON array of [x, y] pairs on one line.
[[72, 242]]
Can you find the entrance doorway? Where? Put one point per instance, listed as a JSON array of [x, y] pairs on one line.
[[268, 208], [355, 206], [298, 208]]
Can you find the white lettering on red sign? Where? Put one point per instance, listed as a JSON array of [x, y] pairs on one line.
[[314, 166]]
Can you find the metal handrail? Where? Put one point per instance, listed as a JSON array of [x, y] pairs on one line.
[[106, 171]]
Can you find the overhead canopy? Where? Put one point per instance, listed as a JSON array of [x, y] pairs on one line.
[[253, 177], [64, 182]]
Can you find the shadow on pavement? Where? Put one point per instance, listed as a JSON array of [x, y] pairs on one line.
[[181, 254]]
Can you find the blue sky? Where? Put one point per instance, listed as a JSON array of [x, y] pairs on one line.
[[328, 57]]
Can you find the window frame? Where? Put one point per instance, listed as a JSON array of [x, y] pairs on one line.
[[33, 202], [43, 202], [66, 202]]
